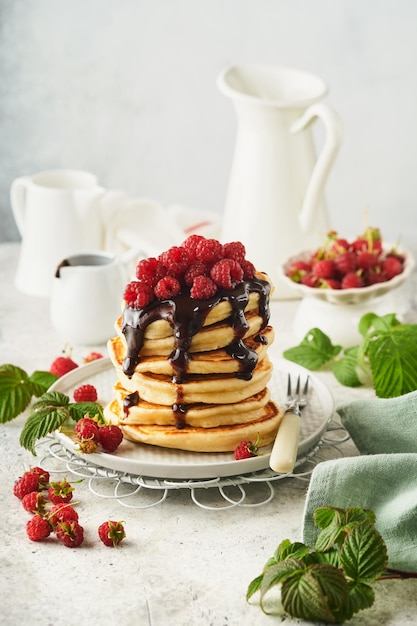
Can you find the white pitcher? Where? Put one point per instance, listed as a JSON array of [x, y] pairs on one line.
[[87, 294], [275, 202], [58, 212]]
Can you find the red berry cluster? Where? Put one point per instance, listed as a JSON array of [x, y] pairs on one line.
[[52, 513], [340, 264], [91, 434], [199, 267]]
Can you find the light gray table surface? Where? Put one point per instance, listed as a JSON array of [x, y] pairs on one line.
[[180, 564]]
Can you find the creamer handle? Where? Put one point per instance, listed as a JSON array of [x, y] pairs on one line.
[[334, 132], [17, 201]]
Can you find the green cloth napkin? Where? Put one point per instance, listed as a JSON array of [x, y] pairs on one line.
[[383, 478]]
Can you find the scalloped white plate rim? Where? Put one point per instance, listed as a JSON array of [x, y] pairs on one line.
[[155, 462]]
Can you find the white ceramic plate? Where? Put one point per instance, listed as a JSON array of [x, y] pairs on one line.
[[155, 462], [347, 296]]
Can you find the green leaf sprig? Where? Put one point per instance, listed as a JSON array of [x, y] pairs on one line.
[[386, 358], [332, 581], [51, 411]]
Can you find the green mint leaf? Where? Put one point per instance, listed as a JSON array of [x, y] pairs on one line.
[[346, 368], [393, 361], [41, 381], [40, 423], [315, 350], [16, 392], [364, 555], [78, 410]]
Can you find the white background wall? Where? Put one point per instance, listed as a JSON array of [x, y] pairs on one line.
[[127, 90]]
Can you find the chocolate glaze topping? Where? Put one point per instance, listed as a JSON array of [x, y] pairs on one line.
[[186, 317]]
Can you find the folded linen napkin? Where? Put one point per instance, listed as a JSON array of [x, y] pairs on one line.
[[383, 478]]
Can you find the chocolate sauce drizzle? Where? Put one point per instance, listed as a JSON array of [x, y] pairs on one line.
[[186, 317]]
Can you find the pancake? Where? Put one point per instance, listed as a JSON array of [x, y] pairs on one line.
[[196, 439]]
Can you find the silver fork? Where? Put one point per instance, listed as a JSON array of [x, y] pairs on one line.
[[284, 451]]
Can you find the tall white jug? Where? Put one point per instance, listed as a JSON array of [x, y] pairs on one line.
[[275, 202]]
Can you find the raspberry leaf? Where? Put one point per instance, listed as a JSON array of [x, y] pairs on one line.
[[364, 555], [346, 368], [315, 350], [77, 410], [40, 423], [41, 381], [16, 391]]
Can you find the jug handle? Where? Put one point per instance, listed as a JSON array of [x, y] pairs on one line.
[[17, 201], [334, 132]]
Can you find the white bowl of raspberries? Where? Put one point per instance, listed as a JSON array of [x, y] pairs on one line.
[[348, 271]]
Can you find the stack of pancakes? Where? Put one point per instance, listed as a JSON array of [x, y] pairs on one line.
[[193, 374]]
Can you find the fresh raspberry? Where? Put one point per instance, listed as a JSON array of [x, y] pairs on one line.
[[202, 288], [26, 484], [246, 450], [110, 437], [34, 502], [339, 245], [297, 270], [352, 281], [196, 269], [92, 356], [85, 393], [374, 276], [111, 533], [248, 268], [330, 283], [367, 260], [60, 492], [226, 273], [86, 429], [176, 260], [345, 262], [191, 244], [43, 475], [150, 271], [71, 534], [62, 365], [309, 280], [234, 250], [167, 287], [324, 268], [38, 528], [62, 513], [138, 294], [209, 251], [391, 266]]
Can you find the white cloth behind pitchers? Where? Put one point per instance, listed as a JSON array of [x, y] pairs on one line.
[[152, 228]]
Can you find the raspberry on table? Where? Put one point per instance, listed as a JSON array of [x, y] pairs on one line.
[[167, 287], [42, 473], [60, 492], [138, 294], [70, 533], [85, 393], [226, 273], [62, 513], [202, 288], [38, 528], [26, 484], [62, 365], [110, 437], [111, 533], [34, 502]]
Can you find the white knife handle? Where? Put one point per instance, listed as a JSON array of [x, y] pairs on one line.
[[284, 451]]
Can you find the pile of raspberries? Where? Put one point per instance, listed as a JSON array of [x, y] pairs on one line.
[[340, 264], [199, 267]]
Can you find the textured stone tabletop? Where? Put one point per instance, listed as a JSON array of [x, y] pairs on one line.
[[180, 564]]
